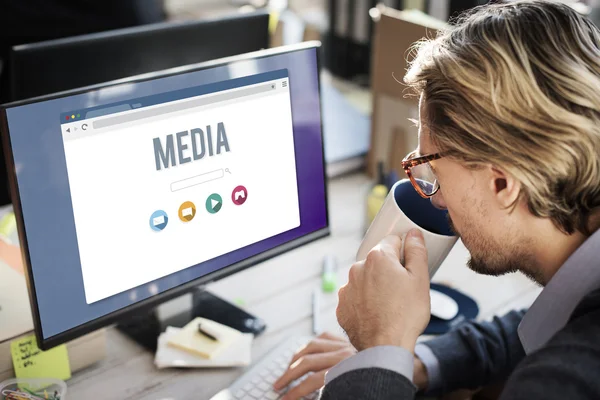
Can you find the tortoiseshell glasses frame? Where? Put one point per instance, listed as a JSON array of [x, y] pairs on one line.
[[410, 161]]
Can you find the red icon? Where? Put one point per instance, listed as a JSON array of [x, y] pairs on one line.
[[239, 195]]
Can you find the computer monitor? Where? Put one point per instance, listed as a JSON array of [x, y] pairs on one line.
[[57, 65], [138, 192]]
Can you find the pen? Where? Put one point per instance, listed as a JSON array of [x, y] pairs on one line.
[[316, 307], [206, 332]]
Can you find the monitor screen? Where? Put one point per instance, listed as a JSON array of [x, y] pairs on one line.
[[130, 194]]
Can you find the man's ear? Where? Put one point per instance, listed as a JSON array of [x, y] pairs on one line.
[[504, 186]]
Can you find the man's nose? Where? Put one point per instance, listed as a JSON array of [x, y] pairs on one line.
[[438, 200]]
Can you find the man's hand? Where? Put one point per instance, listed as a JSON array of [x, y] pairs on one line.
[[385, 303], [320, 355]]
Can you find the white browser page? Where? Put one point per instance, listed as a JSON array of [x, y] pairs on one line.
[[157, 195]]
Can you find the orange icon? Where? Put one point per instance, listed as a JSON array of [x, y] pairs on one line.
[[187, 211]]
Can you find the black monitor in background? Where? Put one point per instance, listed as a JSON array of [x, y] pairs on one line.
[[144, 189], [57, 65]]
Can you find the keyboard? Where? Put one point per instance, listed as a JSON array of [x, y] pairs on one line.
[[257, 382]]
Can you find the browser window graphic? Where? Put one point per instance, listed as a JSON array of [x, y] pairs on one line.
[[180, 179]]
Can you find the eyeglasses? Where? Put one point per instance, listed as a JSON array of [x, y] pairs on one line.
[[420, 173]]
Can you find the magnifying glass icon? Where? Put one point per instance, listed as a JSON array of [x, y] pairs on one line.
[[227, 170]]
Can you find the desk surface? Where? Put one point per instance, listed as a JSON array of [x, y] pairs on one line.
[[279, 291]]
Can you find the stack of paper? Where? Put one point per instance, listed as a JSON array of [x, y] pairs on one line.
[[186, 347], [190, 340]]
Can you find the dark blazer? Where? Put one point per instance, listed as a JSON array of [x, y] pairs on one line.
[[567, 367]]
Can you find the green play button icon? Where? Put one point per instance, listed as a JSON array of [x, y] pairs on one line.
[[214, 203]]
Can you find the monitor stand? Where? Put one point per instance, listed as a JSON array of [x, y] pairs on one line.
[[146, 327]]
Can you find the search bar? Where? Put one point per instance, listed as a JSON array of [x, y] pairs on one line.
[[169, 108], [197, 180]]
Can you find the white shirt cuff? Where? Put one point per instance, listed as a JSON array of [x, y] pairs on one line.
[[432, 365]]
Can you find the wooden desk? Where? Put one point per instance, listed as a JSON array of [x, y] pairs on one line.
[[279, 291]]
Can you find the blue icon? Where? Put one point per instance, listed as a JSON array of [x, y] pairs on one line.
[[158, 220]]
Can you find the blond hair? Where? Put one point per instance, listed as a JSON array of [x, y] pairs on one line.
[[517, 85]]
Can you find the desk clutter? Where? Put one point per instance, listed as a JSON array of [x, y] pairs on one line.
[[203, 343], [33, 389]]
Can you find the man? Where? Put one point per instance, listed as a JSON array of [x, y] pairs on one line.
[[510, 122]]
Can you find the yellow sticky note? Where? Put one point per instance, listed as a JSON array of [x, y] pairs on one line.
[[273, 20], [31, 362], [8, 223]]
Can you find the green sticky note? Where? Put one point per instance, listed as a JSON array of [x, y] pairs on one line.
[[31, 362]]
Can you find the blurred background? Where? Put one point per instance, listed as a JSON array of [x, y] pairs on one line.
[[49, 46], [344, 26]]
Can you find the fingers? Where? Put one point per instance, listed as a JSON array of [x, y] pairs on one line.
[[309, 363], [390, 245], [415, 254], [331, 336], [319, 346], [342, 309], [355, 273], [311, 384]]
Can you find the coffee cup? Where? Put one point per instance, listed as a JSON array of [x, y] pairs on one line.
[[403, 210]]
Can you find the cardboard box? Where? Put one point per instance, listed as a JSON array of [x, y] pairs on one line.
[[393, 135], [291, 27]]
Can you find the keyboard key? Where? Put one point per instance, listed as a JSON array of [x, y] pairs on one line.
[[258, 385], [248, 387], [271, 396], [273, 367]]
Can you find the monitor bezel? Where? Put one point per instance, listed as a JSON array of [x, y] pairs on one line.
[[153, 301]]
